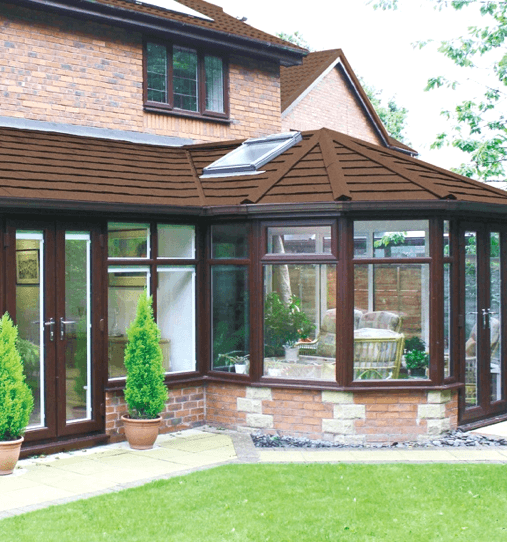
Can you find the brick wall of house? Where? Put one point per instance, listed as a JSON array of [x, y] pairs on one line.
[[330, 104], [59, 69], [185, 409], [346, 417]]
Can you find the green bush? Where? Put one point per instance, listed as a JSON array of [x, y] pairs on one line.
[[284, 324], [145, 391], [16, 400]]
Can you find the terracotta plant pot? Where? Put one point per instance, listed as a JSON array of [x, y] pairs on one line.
[[141, 434], [9, 455]]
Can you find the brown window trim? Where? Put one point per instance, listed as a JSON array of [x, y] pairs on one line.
[[168, 108]]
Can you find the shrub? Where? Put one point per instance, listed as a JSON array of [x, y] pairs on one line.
[[145, 391], [16, 400]]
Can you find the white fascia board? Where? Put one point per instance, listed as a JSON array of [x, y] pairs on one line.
[[172, 5]]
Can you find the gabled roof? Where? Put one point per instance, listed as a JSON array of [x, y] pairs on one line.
[[51, 170], [217, 26], [297, 81]]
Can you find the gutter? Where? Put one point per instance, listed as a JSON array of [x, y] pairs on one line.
[[147, 23]]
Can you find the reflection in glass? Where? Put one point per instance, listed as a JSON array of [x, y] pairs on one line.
[[74, 327], [495, 325], [447, 320], [229, 241], [176, 317], [156, 68], [126, 284], [231, 318], [300, 321], [128, 240], [185, 78], [472, 346], [30, 317], [391, 321], [176, 241], [299, 240], [391, 239], [447, 240], [213, 67]]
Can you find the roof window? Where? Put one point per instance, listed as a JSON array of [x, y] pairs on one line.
[[174, 5], [252, 155]]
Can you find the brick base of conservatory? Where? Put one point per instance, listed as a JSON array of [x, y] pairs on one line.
[[343, 417], [184, 409]]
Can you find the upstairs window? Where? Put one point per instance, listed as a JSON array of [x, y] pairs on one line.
[[185, 80]]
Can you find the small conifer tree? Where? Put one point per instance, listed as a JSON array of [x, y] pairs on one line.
[[145, 391], [16, 400]]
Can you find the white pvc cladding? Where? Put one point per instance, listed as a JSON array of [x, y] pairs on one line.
[[251, 155]]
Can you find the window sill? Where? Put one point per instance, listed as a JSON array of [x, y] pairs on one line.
[[186, 115]]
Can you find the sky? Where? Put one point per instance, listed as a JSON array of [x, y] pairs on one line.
[[379, 46]]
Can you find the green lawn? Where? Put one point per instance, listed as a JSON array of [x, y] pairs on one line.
[[281, 503]]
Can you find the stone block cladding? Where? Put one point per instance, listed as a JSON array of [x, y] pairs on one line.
[[331, 104], [60, 69], [184, 409], [337, 416]]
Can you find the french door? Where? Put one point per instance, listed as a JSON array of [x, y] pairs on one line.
[[483, 305], [52, 295]]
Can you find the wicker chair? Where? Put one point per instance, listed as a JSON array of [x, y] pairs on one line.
[[378, 345]]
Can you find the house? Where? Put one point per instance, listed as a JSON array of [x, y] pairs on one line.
[[324, 92], [144, 148]]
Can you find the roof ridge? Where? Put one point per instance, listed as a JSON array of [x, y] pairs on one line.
[[273, 178], [197, 181], [334, 170]]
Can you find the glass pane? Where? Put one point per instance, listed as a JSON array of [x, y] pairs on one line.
[[30, 316], [391, 321], [495, 317], [185, 79], [126, 284], [471, 317], [391, 239], [176, 317], [175, 241], [299, 240], [128, 240], [214, 84], [300, 321], [229, 241], [156, 66], [75, 326], [447, 319], [447, 240], [231, 318]]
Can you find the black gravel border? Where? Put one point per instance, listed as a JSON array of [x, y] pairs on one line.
[[454, 439]]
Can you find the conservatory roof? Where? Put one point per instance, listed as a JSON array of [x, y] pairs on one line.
[[55, 170]]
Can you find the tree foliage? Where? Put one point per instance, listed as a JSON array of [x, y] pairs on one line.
[[16, 400], [393, 116], [296, 38], [477, 124], [145, 391]]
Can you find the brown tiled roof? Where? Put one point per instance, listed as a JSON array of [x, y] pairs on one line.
[[52, 169], [222, 22], [295, 80]]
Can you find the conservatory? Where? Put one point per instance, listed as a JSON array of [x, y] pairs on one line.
[[312, 285]]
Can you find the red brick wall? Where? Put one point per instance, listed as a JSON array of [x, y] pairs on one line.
[[184, 409], [331, 104], [58, 69]]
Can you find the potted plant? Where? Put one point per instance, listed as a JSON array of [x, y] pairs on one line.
[[236, 359], [416, 357], [16, 400], [145, 391], [284, 324]]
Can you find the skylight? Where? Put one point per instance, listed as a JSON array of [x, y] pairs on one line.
[[252, 155], [172, 5]]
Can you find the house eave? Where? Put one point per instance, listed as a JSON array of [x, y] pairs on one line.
[[170, 29]]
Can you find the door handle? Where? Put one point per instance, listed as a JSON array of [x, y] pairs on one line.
[[51, 324], [63, 323]]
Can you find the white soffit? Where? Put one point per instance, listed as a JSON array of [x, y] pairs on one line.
[[172, 5]]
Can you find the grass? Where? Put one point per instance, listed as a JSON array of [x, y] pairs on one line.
[[282, 503]]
